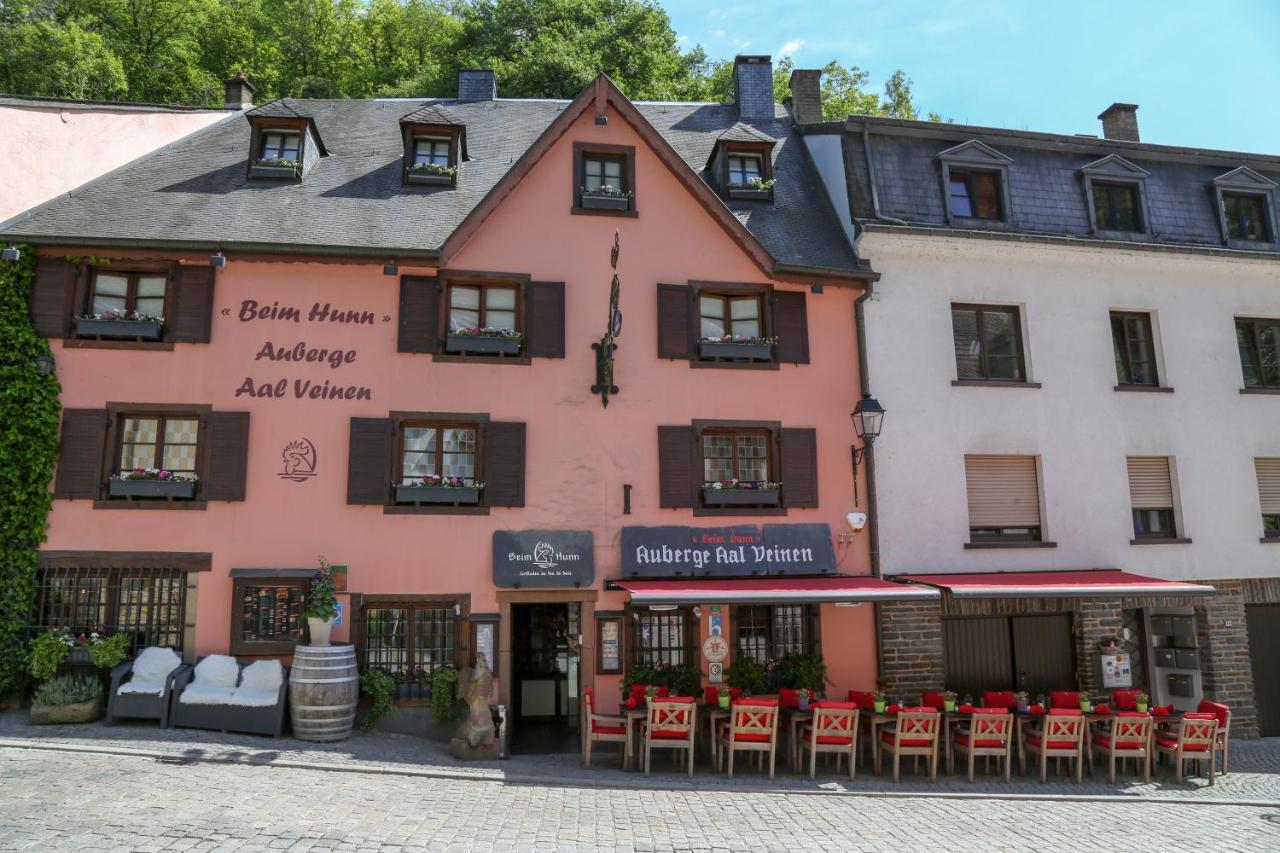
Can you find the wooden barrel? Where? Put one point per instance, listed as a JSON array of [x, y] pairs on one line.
[[324, 685]]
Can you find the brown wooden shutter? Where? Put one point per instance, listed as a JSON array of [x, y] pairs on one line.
[[504, 463], [228, 457], [52, 296], [1149, 484], [798, 464], [1004, 491], [678, 477], [80, 454], [544, 319], [791, 327], [1268, 485], [192, 304], [674, 311], [369, 461], [419, 314]]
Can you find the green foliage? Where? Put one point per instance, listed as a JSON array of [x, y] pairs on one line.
[[322, 600], [638, 674], [684, 680], [807, 671], [445, 706], [745, 674], [48, 651], [67, 690], [60, 60], [380, 689], [108, 652], [29, 413]]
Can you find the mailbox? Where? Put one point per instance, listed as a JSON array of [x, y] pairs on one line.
[[1187, 659], [1181, 685], [1166, 657]]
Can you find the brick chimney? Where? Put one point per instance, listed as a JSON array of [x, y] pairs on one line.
[[1120, 121], [239, 93], [806, 96], [477, 84], [753, 86]]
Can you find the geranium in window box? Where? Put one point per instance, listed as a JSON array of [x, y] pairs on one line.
[[152, 483], [484, 340], [276, 168], [120, 325], [432, 174], [756, 189], [740, 493], [737, 348], [434, 489], [606, 197]]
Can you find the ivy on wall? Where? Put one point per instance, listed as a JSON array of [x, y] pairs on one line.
[[29, 415]]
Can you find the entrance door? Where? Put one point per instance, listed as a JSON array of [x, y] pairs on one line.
[[1031, 653], [545, 677], [1264, 651]]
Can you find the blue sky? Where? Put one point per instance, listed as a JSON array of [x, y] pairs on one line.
[[1204, 74]]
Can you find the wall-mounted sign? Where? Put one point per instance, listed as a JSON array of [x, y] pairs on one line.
[[715, 649], [1116, 671], [715, 673], [298, 460], [543, 558], [740, 551], [716, 625], [337, 620], [610, 645]]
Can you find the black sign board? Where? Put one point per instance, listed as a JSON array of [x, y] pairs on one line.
[[740, 551], [543, 558]]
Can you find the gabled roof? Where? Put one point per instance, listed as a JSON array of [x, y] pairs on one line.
[[975, 151], [1243, 177], [438, 116], [744, 133], [1114, 164], [288, 108]]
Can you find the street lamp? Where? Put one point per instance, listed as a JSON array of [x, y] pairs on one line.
[[867, 416]]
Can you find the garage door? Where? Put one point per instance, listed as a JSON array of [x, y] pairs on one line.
[[1264, 650], [1032, 653]]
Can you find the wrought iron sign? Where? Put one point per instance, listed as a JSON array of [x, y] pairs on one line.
[[605, 347]]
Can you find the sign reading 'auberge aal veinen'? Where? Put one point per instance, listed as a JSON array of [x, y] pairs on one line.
[[543, 558], [743, 550]]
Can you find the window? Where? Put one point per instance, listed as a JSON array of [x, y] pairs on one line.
[[146, 604], [731, 316], [159, 441], [662, 637], [410, 639], [1246, 217], [1151, 497], [744, 170], [1116, 207], [1134, 348], [1268, 471], [438, 450], [604, 179], [431, 151], [267, 609], [975, 194], [988, 342], [773, 632], [1004, 498], [488, 306], [737, 455], [279, 145], [603, 173], [127, 293], [1259, 343]]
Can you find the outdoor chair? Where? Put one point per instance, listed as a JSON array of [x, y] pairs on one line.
[[1061, 735], [602, 729], [1196, 740], [1125, 699], [933, 700], [143, 687], [218, 695], [1005, 699], [671, 724], [914, 734], [752, 727], [989, 734], [1223, 713], [1128, 737], [834, 730], [1066, 699]]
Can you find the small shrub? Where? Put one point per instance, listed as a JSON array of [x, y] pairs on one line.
[[445, 706], [67, 690], [380, 688], [747, 675], [107, 653], [322, 602], [48, 651]]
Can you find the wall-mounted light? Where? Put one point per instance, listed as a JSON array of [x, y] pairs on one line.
[[662, 607], [848, 604], [602, 120], [45, 364], [697, 612], [11, 253], [218, 261], [868, 417], [390, 268], [457, 608]]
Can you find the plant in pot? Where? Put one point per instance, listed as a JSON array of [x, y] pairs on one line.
[[67, 699], [879, 700], [804, 699], [380, 689], [322, 605], [948, 700], [1021, 701], [748, 676], [1086, 703], [71, 698], [804, 671], [723, 696], [1141, 701]]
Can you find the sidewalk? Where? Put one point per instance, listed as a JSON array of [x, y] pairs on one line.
[[1254, 776]]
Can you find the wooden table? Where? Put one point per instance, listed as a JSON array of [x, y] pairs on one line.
[[633, 716]]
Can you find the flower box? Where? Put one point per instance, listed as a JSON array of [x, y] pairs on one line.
[[739, 497], [736, 351], [52, 715], [144, 330], [174, 489], [275, 173], [482, 344], [752, 193], [434, 179], [603, 201], [437, 494]]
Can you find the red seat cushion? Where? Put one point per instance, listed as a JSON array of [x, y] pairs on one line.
[[608, 730], [865, 701], [750, 737], [806, 734], [1000, 709], [1172, 743], [1104, 741], [893, 740], [932, 700], [1125, 700], [837, 706], [676, 700], [1064, 699], [998, 699], [1034, 740], [1217, 709], [711, 696], [757, 703], [980, 743]]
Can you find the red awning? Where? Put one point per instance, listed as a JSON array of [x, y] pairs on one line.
[[1095, 583], [836, 589]]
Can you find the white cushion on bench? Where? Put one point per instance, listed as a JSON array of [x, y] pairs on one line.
[[217, 671], [260, 684], [150, 671], [254, 698], [203, 694]]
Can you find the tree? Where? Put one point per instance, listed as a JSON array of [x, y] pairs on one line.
[[46, 58]]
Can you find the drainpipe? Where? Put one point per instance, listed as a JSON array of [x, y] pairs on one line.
[[873, 525]]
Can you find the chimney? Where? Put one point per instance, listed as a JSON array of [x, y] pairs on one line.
[[478, 84], [1120, 121], [806, 96], [753, 86], [239, 93]]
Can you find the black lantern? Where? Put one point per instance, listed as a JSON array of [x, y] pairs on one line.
[[218, 261], [390, 268], [867, 416], [44, 364], [11, 253]]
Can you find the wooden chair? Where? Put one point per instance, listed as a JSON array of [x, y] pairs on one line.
[[1196, 740], [1061, 735], [915, 734], [1125, 699], [1128, 737], [670, 725], [600, 728], [1005, 699], [834, 730], [1223, 713], [752, 727], [990, 733]]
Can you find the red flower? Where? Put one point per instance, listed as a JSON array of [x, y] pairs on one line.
[[892, 709], [1103, 709], [631, 702], [966, 708], [1036, 709]]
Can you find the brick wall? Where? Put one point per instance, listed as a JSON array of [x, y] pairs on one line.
[[1225, 665], [911, 647], [1094, 622]]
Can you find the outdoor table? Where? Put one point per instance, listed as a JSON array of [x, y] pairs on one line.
[[633, 716], [794, 718]]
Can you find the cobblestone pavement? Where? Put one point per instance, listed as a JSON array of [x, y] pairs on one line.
[[69, 801]]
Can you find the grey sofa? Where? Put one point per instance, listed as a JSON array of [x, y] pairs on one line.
[[223, 696], [143, 688]]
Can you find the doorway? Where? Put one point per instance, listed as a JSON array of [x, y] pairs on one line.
[[1031, 653], [1263, 623], [546, 676]]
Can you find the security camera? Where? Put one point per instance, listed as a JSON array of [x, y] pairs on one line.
[[857, 521]]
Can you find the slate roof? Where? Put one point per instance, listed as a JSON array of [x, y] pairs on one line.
[[1045, 188], [280, 108], [744, 133], [431, 114], [195, 193]]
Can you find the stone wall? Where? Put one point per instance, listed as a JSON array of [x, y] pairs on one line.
[[911, 647], [1225, 665]]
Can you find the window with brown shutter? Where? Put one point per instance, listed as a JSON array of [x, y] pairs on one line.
[[791, 326], [499, 318], [673, 321], [80, 451], [53, 297], [1151, 497], [1268, 471], [798, 464], [227, 440], [678, 480], [726, 324], [369, 453], [192, 310], [544, 319], [419, 312], [1004, 498], [736, 467]]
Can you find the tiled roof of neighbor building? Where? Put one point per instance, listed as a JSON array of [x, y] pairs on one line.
[[195, 192], [1045, 185], [123, 106]]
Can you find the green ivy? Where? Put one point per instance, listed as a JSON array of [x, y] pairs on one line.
[[380, 689], [29, 414], [444, 695]]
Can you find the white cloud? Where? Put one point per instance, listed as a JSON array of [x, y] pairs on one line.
[[790, 48], [682, 39], [717, 33]]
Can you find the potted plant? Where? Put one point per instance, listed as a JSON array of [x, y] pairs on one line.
[[483, 340], [605, 197], [1086, 704], [431, 173], [1141, 701], [948, 700], [747, 675], [1021, 701], [67, 699], [736, 347], [804, 698], [277, 168], [756, 188], [152, 483], [322, 605], [723, 696], [741, 493], [879, 700], [118, 324], [435, 489]]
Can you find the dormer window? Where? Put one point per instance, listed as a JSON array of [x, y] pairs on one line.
[[1116, 197], [1245, 202], [1116, 207], [435, 144], [741, 163], [976, 195], [744, 170], [1246, 217], [279, 146], [975, 183], [284, 143], [604, 179]]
